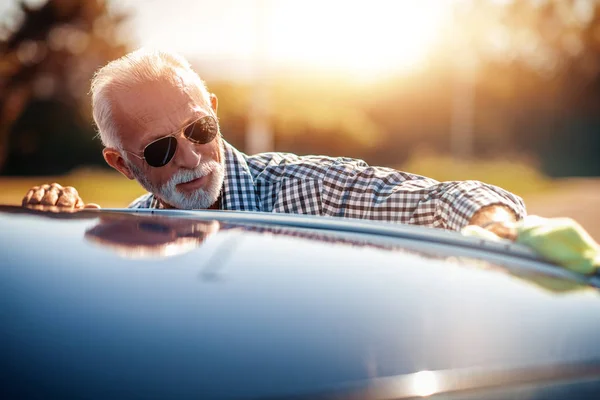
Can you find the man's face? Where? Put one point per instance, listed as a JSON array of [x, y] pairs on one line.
[[194, 177]]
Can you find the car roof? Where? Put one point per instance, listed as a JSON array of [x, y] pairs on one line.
[[247, 305]]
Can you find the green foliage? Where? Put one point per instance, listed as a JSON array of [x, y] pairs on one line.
[[538, 81], [46, 65]]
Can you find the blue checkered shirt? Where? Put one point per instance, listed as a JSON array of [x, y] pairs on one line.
[[345, 187]]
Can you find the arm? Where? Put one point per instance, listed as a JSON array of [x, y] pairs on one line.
[[360, 191], [465, 203]]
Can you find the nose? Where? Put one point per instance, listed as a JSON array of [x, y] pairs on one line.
[[187, 156]]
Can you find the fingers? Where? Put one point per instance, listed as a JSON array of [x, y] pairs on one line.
[[68, 198], [79, 203], [70, 190], [27, 198], [51, 196], [55, 195], [38, 194]]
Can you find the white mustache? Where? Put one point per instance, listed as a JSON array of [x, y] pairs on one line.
[[185, 176]]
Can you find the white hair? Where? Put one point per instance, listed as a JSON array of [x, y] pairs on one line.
[[135, 68]]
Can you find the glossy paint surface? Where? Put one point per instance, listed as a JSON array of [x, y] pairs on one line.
[[102, 305]]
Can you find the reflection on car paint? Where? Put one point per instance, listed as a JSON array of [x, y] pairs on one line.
[[147, 236]]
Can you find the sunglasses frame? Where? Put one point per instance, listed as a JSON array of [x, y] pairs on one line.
[[174, 135]]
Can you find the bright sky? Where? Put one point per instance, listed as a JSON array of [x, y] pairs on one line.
[[361, 36]]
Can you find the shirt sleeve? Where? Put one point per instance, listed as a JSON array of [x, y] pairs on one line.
[[384, 194], [457, 202]]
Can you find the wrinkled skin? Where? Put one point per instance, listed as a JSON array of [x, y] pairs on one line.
[[54, 197]]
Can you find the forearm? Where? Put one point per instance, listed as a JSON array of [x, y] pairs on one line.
[[384, 194], [422, 201]]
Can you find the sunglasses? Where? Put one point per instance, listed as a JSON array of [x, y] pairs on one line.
[[159, 152]]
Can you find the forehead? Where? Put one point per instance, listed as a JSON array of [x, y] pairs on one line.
[[151, 110]]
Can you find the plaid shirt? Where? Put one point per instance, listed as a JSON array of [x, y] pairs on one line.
[[345, 187]]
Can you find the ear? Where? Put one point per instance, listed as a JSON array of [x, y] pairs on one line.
[[114, 159], [214, 102]]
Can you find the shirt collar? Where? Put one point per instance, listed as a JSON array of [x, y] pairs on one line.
[[238, 191]]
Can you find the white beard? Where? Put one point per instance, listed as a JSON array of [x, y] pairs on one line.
[[201, 198]]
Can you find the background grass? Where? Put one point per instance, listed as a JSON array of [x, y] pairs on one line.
[[517, 175]]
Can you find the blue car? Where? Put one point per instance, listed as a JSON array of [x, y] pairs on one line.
[[152, 304]]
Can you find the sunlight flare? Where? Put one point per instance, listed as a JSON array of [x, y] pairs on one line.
[[364, 38]]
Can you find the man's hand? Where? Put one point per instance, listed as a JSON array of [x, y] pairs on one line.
[[559, 240], [53, 197], [498, 219]]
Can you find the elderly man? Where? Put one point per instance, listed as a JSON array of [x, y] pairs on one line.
[[159, 125]]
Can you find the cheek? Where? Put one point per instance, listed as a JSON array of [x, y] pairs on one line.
[[211, 151], [160, 176]]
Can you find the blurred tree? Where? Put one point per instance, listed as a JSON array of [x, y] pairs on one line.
[[307, 116], [46, 64], [539, 78]]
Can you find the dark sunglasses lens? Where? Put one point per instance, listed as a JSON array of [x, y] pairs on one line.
[[202, 131], [159, 153]]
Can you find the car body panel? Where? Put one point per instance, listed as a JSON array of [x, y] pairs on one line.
[[263, 306]]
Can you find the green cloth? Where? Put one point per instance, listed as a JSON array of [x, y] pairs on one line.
[[559, 240]]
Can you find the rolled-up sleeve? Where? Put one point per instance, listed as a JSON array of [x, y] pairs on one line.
[[457, 202]]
